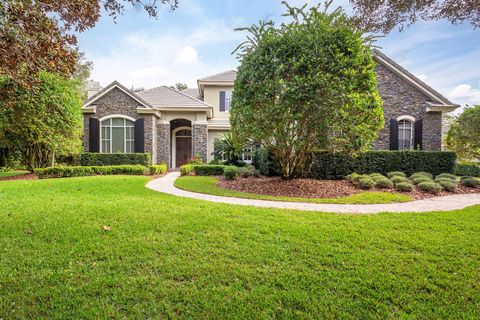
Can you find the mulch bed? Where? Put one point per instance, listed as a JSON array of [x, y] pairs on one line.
[[311, 188]]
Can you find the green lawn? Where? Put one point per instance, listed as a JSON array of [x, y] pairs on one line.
[[171, 257], [208, 185], [6, 174]]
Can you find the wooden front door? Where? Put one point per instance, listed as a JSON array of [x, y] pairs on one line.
[[183, 150]]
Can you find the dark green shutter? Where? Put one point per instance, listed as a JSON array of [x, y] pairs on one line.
[[418, 137], [94, 135], [140, 135], [222, 101], [393, 134]]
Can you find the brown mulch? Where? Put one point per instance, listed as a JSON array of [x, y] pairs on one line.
[[312, 188], [27, 176]]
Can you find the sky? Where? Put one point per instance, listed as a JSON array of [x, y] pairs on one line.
[[197, 40]]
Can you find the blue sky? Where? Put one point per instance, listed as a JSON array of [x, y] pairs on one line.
[[197, 40]]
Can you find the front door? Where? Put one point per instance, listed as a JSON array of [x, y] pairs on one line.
[[183, 150]]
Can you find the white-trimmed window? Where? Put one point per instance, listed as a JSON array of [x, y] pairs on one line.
[[247, 155], [228, 100], [117, 136], [405, 134]]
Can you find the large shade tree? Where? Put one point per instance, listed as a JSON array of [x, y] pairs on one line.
[[307, 85], [464, 134], [39, 35], [384, 16], [40, 122]]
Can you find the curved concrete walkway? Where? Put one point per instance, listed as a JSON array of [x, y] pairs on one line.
[[165, 184]]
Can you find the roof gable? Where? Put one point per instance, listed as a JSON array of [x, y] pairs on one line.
[[110, 87], [226, 76]]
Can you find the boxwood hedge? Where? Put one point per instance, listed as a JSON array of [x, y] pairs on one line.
[[111, 159], [79, 171], [337, 166], [468, 169]]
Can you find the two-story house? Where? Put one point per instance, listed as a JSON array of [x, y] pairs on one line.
[[174, 125]]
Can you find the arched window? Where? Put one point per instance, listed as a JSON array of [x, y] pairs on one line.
[[405, 134], [117, 136]]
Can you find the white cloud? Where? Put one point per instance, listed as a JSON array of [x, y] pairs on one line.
[[465, 94], [187, 55]]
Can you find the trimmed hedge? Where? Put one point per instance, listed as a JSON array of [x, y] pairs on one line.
[[337, 166], [79, 171], [469, 169], [111, 159], [230, 172], [209, 170], [186, 169], [157, 169]]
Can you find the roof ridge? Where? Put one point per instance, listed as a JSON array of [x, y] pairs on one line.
[[186, 95], [217, 74]]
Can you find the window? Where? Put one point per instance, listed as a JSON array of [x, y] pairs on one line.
[[228, 100], [247, 155], [117, 136], [404, 135]]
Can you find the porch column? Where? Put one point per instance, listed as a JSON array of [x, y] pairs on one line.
[[163, 143], [200, 139]]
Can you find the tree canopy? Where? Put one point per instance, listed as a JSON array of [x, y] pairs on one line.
[[384, 16], [38, 35], [39, 122], [305, 86], [463, 137]]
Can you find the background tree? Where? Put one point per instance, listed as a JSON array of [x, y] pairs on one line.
[[384, 16], [37, 35], [179, 86], [463, 137], [307, 85], [41, 122], [81, 74]]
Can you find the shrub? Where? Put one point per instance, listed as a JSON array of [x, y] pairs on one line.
[[186, 169], [195, 160], [419, 180], [470, 182], [446, 176], [62, 172], [337, 166], [262, 161], [383, 183], [448, 185], [376, 176], [110, 159], [405, 186], [366, 183], [467, 169], [248, 171], [396, 174], [431, 187], [209, 170], [230, 172], [398, 179], [353, 177], [157, 169], [421, 175]]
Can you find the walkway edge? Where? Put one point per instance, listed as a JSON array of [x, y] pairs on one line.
[[165, 184]]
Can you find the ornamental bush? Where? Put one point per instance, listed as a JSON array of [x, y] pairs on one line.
[[110, 159], [365, 183], [419, 180], [158, 169], [446, 176], [468, 169], [230, 172], [431, 187], [405, 186], [62, 172], [376, 176], [209, 170], [396, 174], [186, 169], [448, 185], [337, 166], [398, 179], [421, 175], [470, 182], [383, 183]]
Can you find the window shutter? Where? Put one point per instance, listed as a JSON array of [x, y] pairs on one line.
[[140, 135], [222, 101], [94, 135], [393, 134], [417, 140]]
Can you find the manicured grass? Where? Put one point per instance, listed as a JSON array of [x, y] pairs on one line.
[[13, 173], [172, 257], [203, 184]]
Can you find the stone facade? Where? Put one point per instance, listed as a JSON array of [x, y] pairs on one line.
[[119, 103], [163, 142], [199, 139], [401, 98]]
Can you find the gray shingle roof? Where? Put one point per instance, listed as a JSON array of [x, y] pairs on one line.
[[165, 96], [193, 93], [228, 76]]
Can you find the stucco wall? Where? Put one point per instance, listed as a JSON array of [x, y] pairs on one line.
[[212, 135], [401, 98], [211, 95]]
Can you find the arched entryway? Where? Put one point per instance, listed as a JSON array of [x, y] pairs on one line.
[[181, 142]]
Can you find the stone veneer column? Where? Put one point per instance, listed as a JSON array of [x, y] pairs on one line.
[[199, 139], [163, 143]]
